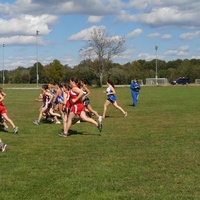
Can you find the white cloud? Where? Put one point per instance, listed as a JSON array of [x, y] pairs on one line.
[[190, 36], [166, 37], [90, 7], [141, 5], [184, 48], [146, 56], [134, 33], [154, 35], [94, 19], [21, 40], [181, 13], [70, 61], [84, 34], [27, 25], [181, 51]]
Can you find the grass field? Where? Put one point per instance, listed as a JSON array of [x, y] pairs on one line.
[[154, 153]]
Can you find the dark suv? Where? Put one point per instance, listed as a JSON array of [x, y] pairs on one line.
[[182, 81]]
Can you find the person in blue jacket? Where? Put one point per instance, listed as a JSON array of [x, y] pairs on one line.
[[135, 88]]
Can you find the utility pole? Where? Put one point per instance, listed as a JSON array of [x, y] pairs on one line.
[[37, 75], [3, 66], [156, 48]]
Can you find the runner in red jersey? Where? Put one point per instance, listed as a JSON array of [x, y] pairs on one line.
[[76, 102], [77, 107], [3, 112]]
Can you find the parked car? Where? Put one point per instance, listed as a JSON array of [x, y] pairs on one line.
[[182, 81]]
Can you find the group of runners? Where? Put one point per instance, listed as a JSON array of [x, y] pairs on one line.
[[71, 103], [68, 102]]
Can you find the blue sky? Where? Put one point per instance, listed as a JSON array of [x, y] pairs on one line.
[[65, 25]]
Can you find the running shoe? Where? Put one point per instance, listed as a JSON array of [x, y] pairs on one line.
[[99, 126], [36, 122], [5, 129], [3, 147], [58, 122], [62, 135], [15, 130]]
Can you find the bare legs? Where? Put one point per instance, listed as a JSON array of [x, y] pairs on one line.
[[107, 103], [8, 119], [68, 121], [89, 107], [50, 111], [59, 108], [88, 119], [42, 110], [15, 128]]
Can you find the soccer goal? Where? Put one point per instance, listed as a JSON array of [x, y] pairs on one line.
[[197, 81], [157, 81]]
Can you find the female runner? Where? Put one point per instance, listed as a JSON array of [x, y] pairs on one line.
[[111, 99], [3, 112], [77, 108], [47, 106]]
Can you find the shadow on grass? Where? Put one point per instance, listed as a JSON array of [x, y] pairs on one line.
[[73, 132], [5, 130], [110, 116]]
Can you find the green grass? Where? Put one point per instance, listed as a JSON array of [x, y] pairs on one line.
[[152, 154]]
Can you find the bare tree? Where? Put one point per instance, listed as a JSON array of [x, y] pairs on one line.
[[103, 48]]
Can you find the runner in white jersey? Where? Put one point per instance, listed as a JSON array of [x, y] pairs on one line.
[[111, 99]]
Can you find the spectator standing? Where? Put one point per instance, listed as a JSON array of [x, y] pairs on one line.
[[135, 88]]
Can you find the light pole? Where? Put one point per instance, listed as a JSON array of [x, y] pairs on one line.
[[37, 75], [3, 65], [156, 48]]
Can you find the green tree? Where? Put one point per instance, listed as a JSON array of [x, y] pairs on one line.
[[33, 73], [85, 70], [55, 71], [118, 76], [19, 75]]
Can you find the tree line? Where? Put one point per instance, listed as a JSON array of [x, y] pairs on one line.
[[89, 69]]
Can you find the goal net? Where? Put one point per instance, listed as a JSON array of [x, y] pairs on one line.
[[197, 81], [157, 81], [140, 81]]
